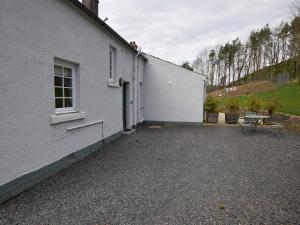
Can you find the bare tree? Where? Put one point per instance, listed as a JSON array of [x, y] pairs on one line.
[[241, 60], [235, 60], [212, 64], [295, 31]]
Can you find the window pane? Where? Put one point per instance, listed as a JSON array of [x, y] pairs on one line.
[[58, 92], [68, 82], [58, 81], [68, 92], [58, 70], [67, 72], [68, 102], [59, 103]]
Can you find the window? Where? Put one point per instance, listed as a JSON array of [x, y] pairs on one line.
[[64, 85], [112, 63]]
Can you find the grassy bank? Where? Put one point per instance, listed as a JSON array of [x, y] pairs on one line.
[[287, 94]]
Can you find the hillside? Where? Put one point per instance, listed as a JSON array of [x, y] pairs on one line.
[[249, 88], [270, 73], [287, 94]]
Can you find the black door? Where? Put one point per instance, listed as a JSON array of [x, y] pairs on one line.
[[125, 85]]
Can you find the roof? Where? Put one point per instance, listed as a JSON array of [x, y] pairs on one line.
[[100, 22], [175, 64]]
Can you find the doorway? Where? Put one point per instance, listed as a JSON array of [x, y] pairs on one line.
[[125, 106]]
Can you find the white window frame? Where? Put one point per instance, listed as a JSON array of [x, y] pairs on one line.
[[112, 63], [73, 69]]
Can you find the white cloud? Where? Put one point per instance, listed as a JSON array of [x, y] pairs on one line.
[[177, 30]]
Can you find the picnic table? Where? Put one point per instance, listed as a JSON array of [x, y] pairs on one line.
[[253, 120]]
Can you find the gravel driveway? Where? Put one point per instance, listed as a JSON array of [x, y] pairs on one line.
[[172, 175]]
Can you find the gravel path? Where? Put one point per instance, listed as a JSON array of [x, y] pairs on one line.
[[172, 175]]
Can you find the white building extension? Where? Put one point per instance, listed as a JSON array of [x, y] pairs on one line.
[[172, 94], [70, 84]]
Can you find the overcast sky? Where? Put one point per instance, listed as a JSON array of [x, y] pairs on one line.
[[177, 30]]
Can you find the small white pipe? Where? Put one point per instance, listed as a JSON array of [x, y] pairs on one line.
[[84, 125]]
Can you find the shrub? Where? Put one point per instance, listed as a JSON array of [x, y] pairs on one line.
[[232, 105], [272, 105], [211, 104], [254, 104]]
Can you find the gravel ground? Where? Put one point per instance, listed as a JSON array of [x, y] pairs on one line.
[[172, 175]]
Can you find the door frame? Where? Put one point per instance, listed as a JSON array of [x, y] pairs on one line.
[[126, 105]]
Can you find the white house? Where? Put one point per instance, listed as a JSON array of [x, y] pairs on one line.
[[70, 84]]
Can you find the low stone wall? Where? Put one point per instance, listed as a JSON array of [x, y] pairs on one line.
[[290, 122], [293, 123]]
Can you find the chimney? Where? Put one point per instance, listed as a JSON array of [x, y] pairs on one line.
[[92, 5], [134, 45]]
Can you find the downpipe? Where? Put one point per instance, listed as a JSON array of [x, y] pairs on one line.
[[135, 87]]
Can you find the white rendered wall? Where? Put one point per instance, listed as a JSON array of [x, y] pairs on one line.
[[171, 93], [33, 32]]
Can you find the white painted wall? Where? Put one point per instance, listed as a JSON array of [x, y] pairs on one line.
[[33, 32], [171, 93]]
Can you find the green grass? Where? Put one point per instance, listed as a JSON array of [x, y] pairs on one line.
[[288, 96]]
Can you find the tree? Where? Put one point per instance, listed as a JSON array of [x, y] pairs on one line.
[[212, 62], [254, 45], [229, 62], [201, 63], [273, 49], [264, 36], [241, 59], [197, 64], [295, 31], [233, 52], [283, 36], [187, 66], [218, 65], [223, 59]]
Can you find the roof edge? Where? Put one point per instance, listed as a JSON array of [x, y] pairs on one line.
[[91, 15], [175, 64]]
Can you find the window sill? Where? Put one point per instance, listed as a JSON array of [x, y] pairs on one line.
[[55, 119], [113, 84]]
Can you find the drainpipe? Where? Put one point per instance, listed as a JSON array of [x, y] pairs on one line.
[[135, 86], [204, 96]]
